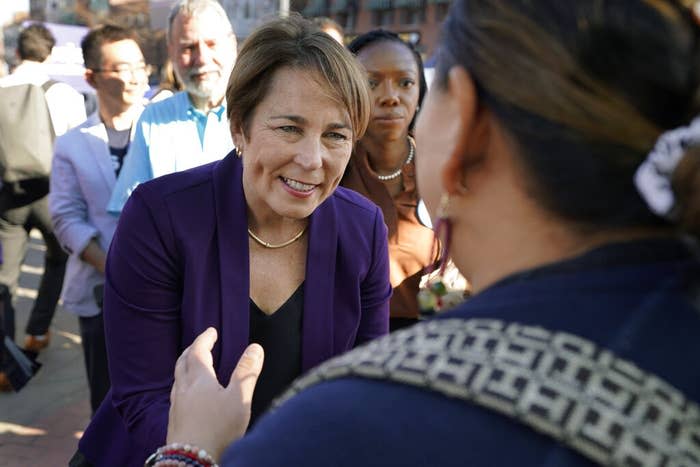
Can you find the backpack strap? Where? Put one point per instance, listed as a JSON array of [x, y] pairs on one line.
[[594, 402], [50, 82], [45, 87]]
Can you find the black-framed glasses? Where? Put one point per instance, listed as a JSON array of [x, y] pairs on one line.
[[126, 71]]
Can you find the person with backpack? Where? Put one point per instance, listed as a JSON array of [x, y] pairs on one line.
[[25, 180]]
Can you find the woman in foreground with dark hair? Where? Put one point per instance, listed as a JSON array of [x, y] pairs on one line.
[[579, 344]]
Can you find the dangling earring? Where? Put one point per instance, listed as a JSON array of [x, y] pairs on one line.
[[431, 295], [443, 232]]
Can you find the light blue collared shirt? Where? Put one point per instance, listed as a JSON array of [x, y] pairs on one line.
[[171, 136]]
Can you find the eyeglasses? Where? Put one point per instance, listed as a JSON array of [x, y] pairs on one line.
[[126, 71]]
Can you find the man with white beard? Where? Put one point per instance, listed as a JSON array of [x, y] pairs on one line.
[[189, 128]]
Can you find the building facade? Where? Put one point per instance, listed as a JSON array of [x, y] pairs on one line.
[[415, 20]]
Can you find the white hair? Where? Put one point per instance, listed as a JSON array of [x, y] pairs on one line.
[[192, 7]]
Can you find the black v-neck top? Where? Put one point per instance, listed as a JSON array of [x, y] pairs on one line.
[[280, 335]]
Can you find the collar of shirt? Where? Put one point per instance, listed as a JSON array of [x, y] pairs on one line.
[[27, 72], [201, 118]]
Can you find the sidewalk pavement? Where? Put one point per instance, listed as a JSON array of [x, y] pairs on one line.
[[40, 425]]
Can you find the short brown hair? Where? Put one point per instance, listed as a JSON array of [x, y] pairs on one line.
[[296, 43], [35, 43]]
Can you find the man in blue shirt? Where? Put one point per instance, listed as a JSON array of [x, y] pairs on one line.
[[189, 128]]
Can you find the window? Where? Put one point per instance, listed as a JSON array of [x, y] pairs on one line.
[[441, 11], [383, 17], [382, 13], [347, 19], [413, 15]]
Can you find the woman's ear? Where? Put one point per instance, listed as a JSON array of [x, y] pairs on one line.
[[237, 137], [470, 132]]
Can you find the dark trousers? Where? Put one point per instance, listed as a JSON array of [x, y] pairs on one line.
[[15, 225], [8, 312], [92, 332], [4, 298]]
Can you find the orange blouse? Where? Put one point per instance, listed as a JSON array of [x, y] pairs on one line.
[[410, 242]]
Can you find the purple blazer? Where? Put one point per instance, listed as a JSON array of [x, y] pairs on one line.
[[178, 264]]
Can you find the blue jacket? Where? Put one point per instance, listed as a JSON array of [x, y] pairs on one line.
[[82, 179]]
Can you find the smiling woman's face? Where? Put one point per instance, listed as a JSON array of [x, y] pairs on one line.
[[298, 144], [393, 76]]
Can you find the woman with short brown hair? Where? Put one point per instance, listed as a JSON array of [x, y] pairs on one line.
[[262, 245]]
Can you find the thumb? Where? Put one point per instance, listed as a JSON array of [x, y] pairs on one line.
[[246, 373], [202, 345], [205, 341], [198, 351]]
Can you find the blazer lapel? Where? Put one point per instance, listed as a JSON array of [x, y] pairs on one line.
[[317, 327], [232, 236], [99, 148], [99, 145]]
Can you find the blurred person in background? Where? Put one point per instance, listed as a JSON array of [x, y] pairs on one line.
[[330, 27], [34, 46], [578, 346], [66, 107], [169, 83], [189, 128], [86, 163]]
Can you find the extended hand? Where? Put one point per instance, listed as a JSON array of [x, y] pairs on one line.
[[201, 411]]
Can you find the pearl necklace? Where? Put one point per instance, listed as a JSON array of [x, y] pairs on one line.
[[393, 175], [279, 245]]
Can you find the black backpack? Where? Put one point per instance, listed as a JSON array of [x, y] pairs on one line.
[[26, 144]]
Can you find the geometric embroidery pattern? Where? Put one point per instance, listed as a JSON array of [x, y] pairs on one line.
[[567, 387]]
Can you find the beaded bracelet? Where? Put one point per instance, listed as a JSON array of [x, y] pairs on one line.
[[177, 454]]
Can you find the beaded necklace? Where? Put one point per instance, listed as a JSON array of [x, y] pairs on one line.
[[393, 175]]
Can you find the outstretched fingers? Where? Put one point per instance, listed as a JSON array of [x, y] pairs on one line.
[[201, 411]]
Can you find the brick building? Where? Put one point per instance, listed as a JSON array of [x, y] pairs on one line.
[[415, 20]]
